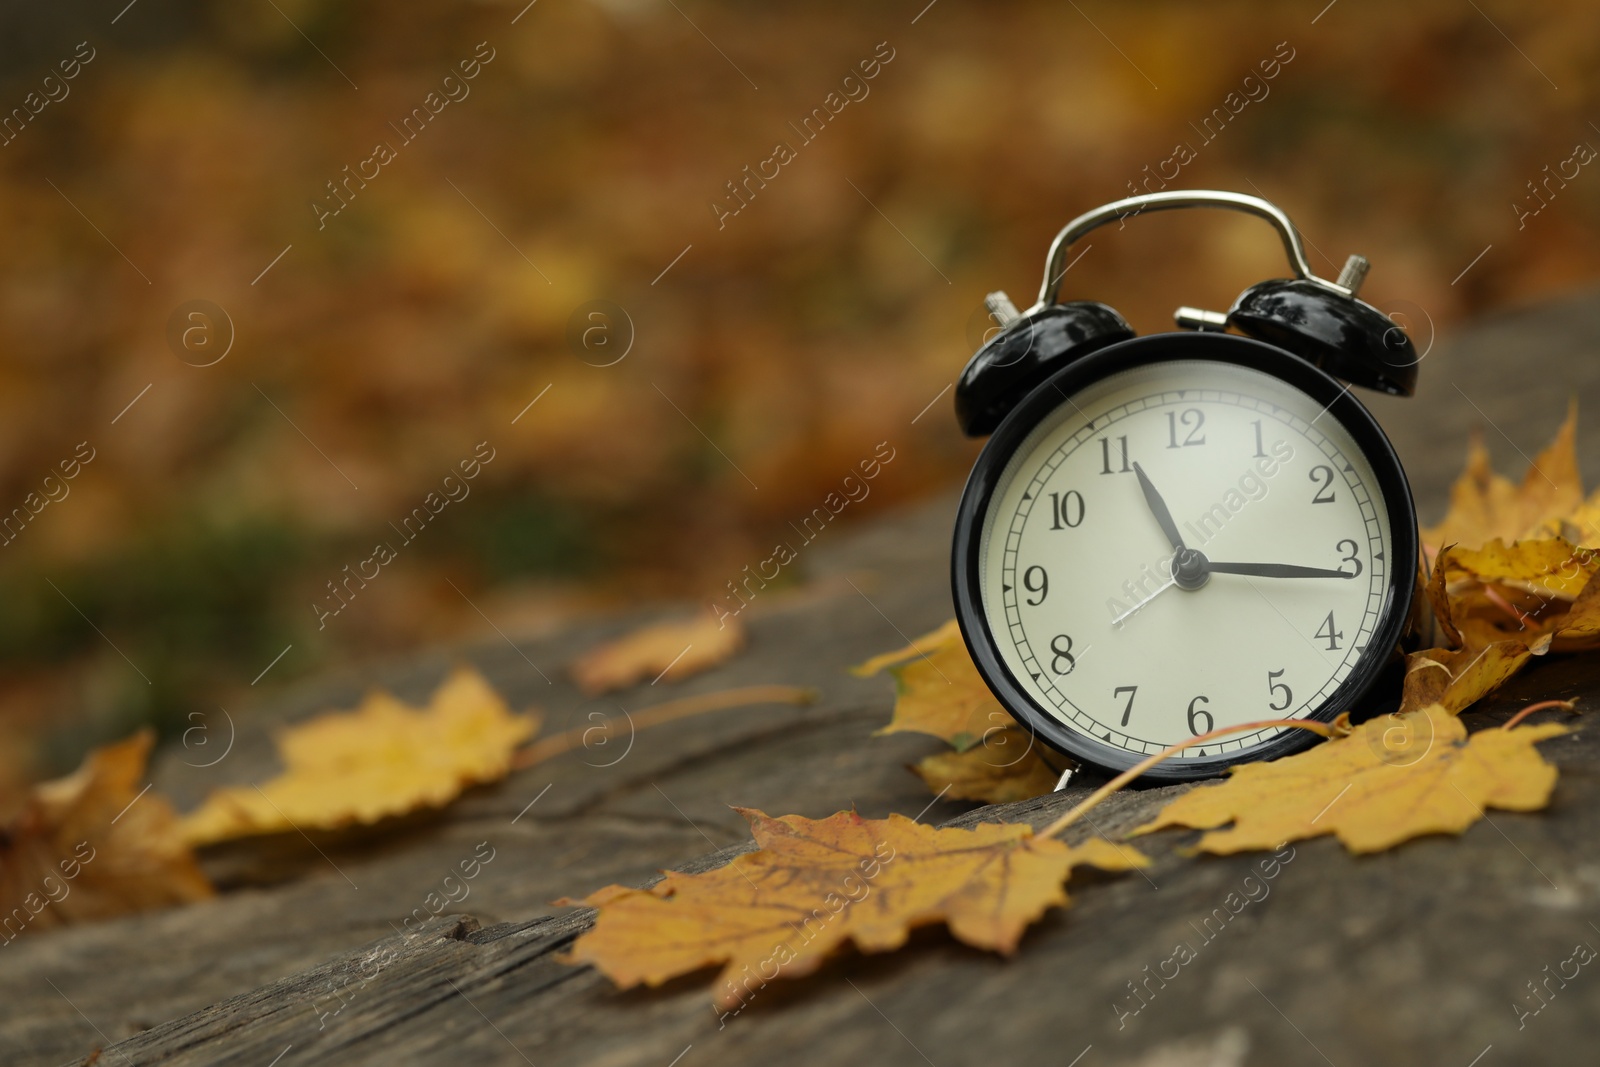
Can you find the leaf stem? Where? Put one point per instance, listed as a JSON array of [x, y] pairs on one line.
[[683, 708], [1334, 729], [1569, 705]]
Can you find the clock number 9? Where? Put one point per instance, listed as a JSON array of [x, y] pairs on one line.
[[1062, 655], [1042, 586], [1351, 556], [1066, 509], [1197, 713]]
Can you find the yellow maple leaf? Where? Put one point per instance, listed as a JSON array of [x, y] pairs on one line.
[[1485, 506], [939, 691], [816, 884], [1391, 779], [1006, 767], [383, 759], [93, 845], [669, 651]]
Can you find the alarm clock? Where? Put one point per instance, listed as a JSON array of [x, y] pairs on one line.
[[1170, 534]]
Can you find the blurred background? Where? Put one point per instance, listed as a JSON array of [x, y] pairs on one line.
[[375, 317]]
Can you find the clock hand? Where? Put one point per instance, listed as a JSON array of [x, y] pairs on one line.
[[1274, 570], [1158, 508], [1120, 619]]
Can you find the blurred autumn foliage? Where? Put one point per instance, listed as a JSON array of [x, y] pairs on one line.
[[777, 348]]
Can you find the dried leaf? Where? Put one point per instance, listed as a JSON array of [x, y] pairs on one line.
[[1456, 678], [939, 691], [382, 759], [1499, 605], [1548, 568], [817, 884], [669, 651], [1579, 628], [1393, 778], [93, 845], [1003, 769], [1485, 506]]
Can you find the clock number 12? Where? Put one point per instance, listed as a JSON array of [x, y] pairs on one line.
[[1191, 419]]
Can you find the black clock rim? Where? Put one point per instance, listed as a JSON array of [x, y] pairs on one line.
[[966, 576]]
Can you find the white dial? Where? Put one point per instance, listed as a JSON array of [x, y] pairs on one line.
[[1282, 571]]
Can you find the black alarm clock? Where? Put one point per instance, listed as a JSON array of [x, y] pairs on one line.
[[1169, 534]]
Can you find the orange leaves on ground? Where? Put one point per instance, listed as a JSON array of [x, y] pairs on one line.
[[1457, 678], [669, 651], [1391, 779], [816, 884], [93, 845], [1002, 769], [1485, 506], [939, 691], [1504, 600], [383, 759]]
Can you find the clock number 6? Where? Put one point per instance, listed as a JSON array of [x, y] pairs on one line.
[[1196, 713], [1062, 655]]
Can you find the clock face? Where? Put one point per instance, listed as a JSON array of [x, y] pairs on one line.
[[1256, 595]]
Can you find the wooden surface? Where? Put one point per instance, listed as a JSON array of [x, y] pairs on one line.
[[1415, 956]]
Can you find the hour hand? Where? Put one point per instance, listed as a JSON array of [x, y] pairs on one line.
[[1158, 508], [1274, 570]]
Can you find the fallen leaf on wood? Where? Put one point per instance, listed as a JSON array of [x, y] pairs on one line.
[[1456, 678], [669, 651], [1499, 606], [1391, 779], [93, 845], [816, 884], [1002, 769], [383, 759], [1485, 506], [1547, 568], [939, 691]]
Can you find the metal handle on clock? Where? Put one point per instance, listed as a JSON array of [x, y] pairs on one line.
[[1050, 290]]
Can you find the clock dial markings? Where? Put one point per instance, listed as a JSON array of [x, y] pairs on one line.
[[1206, 641]]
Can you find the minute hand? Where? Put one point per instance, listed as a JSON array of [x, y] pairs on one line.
[[1274, 570]]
